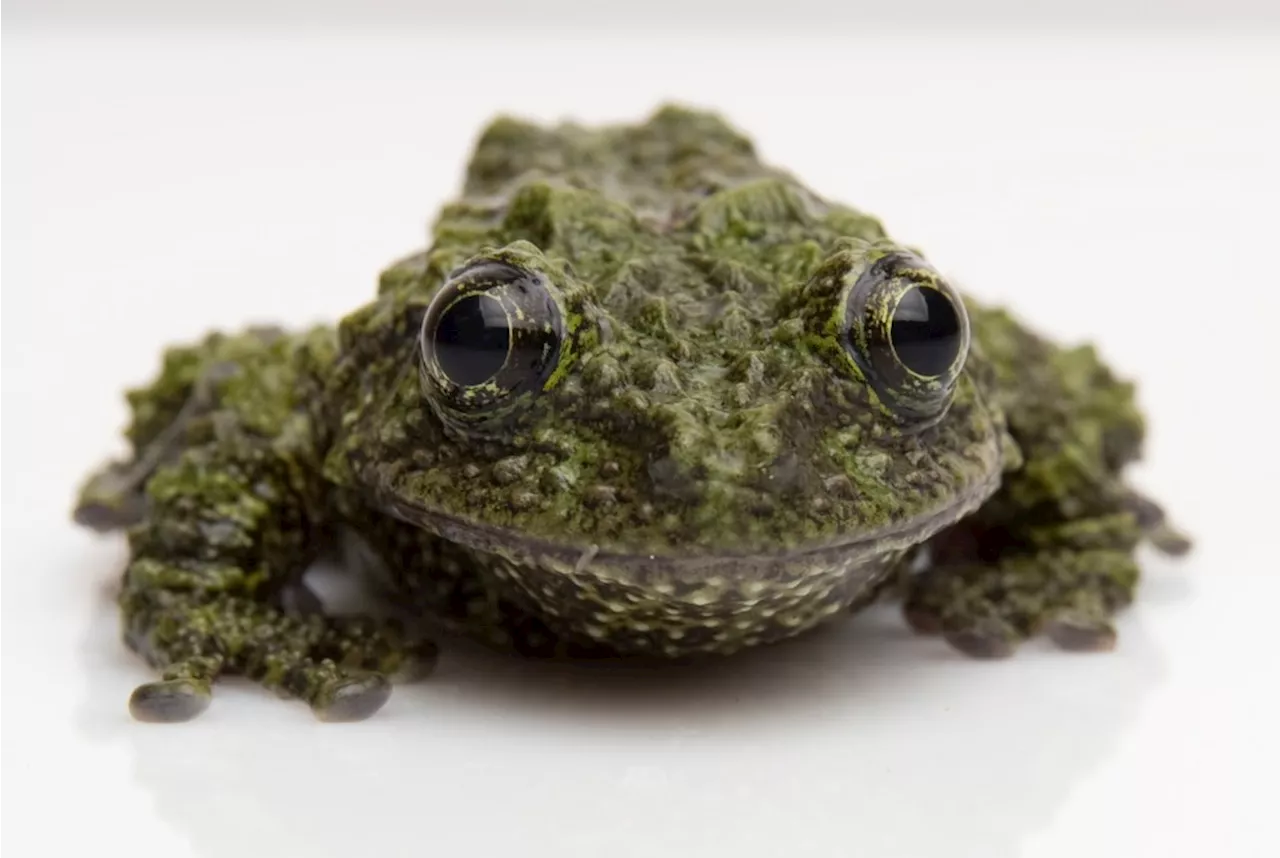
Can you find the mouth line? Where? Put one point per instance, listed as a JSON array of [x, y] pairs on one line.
[[494, 539]]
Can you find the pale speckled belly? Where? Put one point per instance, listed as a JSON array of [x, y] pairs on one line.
[[726, 607]]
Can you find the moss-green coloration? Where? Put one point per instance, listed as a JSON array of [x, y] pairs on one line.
[[711, 442]]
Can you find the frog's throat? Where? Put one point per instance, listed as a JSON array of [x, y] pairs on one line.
[[894, 538]]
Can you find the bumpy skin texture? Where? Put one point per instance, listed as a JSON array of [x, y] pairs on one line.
[[714, 456]]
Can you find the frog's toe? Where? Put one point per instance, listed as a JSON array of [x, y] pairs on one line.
[[922, 619], [418, 661], [988, 638], [1170, 541], [110, 500], [372, 646], [1081, 631], [353, 697], [1156, 527], [170, 700]]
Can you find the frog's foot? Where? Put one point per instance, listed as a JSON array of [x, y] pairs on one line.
[[111, 499], [1155, 525], [986, 609], [342, 667]]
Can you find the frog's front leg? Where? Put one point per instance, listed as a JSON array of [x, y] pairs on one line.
[[227, 524], [993, 583]]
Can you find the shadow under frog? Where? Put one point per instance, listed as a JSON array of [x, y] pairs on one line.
[[859, 734]]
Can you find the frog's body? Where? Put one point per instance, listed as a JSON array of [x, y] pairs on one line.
[[641, 394]]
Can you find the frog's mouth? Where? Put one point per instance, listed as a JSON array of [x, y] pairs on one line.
[[694, 563]]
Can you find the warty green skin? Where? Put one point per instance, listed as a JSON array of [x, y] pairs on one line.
[[707, 467]]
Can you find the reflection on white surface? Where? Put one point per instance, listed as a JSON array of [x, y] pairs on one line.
[[862, 734]]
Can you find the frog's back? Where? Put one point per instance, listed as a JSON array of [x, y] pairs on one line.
[[648, 166]]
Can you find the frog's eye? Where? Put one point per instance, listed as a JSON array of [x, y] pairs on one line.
[[907, 331], [490, 338]]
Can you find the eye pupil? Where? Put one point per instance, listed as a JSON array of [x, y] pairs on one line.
[[472, 340], [926, 331]]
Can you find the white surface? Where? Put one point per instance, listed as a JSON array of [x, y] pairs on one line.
[[1115, 189], [654, 16]]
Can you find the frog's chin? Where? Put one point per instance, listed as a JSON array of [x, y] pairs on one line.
[[892, 539]]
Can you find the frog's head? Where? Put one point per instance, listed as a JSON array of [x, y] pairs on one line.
[[749, 371]]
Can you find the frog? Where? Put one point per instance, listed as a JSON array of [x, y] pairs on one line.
[[640, 393]]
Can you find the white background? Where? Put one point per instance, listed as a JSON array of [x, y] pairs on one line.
[[1117, 187]]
